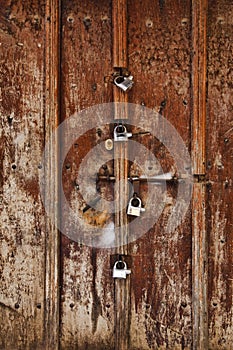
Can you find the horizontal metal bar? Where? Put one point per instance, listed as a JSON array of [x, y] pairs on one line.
[[156, 179]]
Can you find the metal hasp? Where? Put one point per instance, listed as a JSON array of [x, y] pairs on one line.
[[121, 134], [124, 83], [135, 206], [120, 270]]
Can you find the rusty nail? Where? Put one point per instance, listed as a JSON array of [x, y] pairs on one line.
[[87, 22], [9, 119], [99, 132], [163, 103], [183, 304], [94, 87], [184, 21], [149, 23]]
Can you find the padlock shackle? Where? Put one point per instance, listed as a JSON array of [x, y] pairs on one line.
[[119, 79], [121, 261], [122, 135], [139, 200]]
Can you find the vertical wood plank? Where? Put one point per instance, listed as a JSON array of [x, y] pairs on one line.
[[87, 293], [199, 270], [220, 170], [52, 96], [119, 23], [199, 37], [122, 287], [159, 59], [199, 239], [23, 230], [120, 51]]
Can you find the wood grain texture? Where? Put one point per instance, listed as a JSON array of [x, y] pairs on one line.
[[219, 170], [180, 54], [121, 169], [199, 84], [87, 295], [51, 121], [198, 151], [159, 59], [199, 268], [23, 230], [119, 25]]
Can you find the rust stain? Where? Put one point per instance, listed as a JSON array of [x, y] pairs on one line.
[[219, 155], [22, 139], [159, 52]]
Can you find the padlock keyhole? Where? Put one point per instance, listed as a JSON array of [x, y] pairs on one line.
[[135, 202], [120, 265]]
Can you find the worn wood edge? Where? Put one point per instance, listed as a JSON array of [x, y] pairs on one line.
[[119, 53], [121, 287], [199, 81], [198, 130], [200, 269], [52, 62]]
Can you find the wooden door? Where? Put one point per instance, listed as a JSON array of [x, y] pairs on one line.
[[152, 308], [64, 212]]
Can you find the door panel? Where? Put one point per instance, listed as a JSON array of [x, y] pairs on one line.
[[159, 58], [87, 308], [23, 230], [57, 59], [219, 170], [160, 293]]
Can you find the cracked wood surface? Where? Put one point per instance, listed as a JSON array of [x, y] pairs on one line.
[[181, 284]]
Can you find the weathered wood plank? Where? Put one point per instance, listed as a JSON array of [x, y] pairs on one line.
[[121, 170], [219, 170], [52, 115], [87, 295], [159, 59], [199, 268], [23, 230], [119, 25], [199, 67], [121, 287], [198, 149]]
